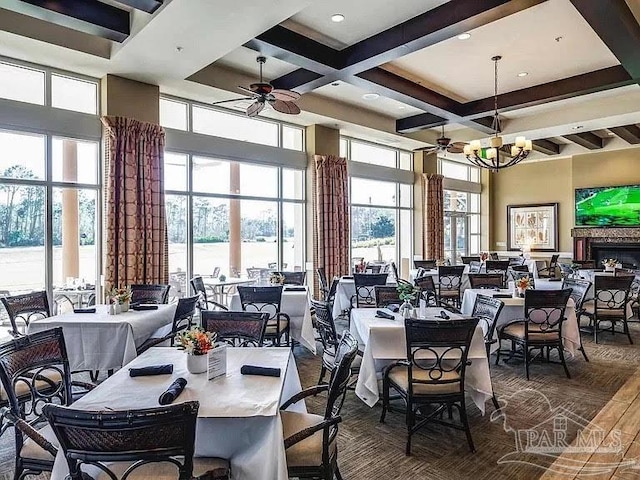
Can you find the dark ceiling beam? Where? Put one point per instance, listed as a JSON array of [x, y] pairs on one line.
[[614, 22], [545, 146], [87, 16], [587, 140], [148, 6], [629, 133]]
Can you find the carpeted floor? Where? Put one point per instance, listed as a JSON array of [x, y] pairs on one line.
[[370, 450]]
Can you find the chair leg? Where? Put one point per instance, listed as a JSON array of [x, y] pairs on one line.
[[337, 473], [595, 330], [465, 422], [498, 352], [385, 399], [584, 354], [626, 330], [564, 363], [410, 424], [323, 371], [93, 375], [526, 360], [495, 402]]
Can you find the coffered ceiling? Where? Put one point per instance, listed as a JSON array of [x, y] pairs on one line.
[[581, 58]]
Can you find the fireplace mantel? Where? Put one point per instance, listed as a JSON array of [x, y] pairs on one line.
[[586, 238]]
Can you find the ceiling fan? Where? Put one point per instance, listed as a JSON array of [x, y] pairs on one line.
[[443, 144], [283, 101]]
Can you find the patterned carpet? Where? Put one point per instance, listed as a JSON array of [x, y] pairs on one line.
[[370, 450]]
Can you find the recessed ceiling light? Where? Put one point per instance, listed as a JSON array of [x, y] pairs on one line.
[[370, 96], [337, 18], [523, 74], [577, 127], [464, 36], [179, 49], [401, 107]]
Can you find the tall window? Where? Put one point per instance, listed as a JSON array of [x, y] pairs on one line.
[[371, 153]]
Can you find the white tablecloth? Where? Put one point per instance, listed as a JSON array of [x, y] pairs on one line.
[[384, 342], [514, 310], [239, 416], [296, 305], [99, 341], [345, 291]]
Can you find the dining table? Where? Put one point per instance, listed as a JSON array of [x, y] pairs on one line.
[[345, 292], [217, 286], [296, 304], [99, 341], [239, 415], [383, 341], [532, 265]]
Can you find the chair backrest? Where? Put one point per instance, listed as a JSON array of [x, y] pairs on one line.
[[386, 295], [394, 269], [579, 289], [150, 293], [486, 280], [519, 268], [372, 268], [611, 292], [345, 354], [487, 310], [322, 281], [475, 267], [185, 310], [438, 348], [494, 256], [325, 325], [450, 277], [516, 261], [496, 266], [26, 307], [545, 309], [238, 329], [364, 284], [333, 289], [198, 287], [469, 259], [554, 260], [216, 272], [294, 278], [261, 299], [427, 289], [137, 436], [426, 264], [254, 273]]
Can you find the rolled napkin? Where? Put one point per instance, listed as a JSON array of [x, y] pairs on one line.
[[295, 289], [502, 295], [84, 310], [382, 314], [444, 315], [173, 392], [144, 307], [263, 371], [394, 307], [151, 370]]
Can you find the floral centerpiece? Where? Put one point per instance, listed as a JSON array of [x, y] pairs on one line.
[[522, 284], [407, 293], [276, 278], [197, 343], [121, 296], [483, 256], [610, 264]]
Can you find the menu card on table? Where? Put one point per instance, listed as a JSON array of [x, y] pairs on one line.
[[217, 362]]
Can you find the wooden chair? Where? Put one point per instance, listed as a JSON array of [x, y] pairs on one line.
[[498, 266], [486, 280], [469, 259], [579, 290], [450, 284], [158, 294], [428, 291], [386, 295], [310, 440], [426, 264], [294, 278], [609, 303], [237, 329], [435, 380], [132, 444], [268, 300], [24, 308], [541, 329]]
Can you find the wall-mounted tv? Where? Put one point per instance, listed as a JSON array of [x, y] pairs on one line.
[[608, 206]]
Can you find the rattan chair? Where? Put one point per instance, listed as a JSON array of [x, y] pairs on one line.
[[386, 295], [182, 320], [204, 303], [469, 259], [486, 280], [609, 303], [541, 329], [450, 284], [238, 329], [428, 291], [364, 285], [436, 379], [142, 293], [550, 271], [24, 308], [426, 264], [497, 266], [323, 282], [579, 290], [294, 278], [267, 300], [132, 444], [310, 440]]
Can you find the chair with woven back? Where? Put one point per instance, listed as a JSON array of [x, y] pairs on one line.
[[428, 291], [133, 444], [310, 440], [386, 295], [364, 284], [486, 280], [541, 329], [450, 284], [323, 282], [373, 268], [609, 304], [550, 271], [466, 260], [24, 308], [426, 264], [150, 293], [579, 290], [237, 329], [204, 303], [431, 375], [494, 256], [294, 278], [268, 300], [497, 266]]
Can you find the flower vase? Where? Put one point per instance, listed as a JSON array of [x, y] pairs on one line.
[[124, 306], [608, 268], [197, 363], [406, 309], [521, 291]]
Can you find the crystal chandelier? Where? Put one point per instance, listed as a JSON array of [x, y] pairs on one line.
[[493, 158]]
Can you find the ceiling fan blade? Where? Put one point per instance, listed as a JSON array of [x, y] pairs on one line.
[[255, 108], [427, 149], [232, 100], [285, 95], [459, 144], [250, 92], [282, 106], [454, 149]]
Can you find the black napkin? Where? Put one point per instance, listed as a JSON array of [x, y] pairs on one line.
[[263, 371], [382, 314], [444, 315], [555, 279], [502, 295], [84, 310], [173, 392], [144, 307], [151, 370], [393, 307], [295, 289]]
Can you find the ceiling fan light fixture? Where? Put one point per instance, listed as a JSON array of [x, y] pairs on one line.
[[337, 18], [370, 96], [464, 36]]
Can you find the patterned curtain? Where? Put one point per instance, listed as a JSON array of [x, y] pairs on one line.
[[136, 224], [331, 219], [433, 202]]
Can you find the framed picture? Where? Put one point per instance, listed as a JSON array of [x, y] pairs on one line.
[[533, 226]]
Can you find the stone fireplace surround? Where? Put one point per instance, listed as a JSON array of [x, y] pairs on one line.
[[607, 242]]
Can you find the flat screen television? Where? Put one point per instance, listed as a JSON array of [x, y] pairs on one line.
[[608, 206]]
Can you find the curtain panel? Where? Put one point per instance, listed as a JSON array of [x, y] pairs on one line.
[[331, 216], [136, 225], [433, 202]]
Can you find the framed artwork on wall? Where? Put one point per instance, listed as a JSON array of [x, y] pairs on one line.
[[533, 227]]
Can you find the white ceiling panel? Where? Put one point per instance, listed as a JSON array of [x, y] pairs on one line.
[[244, 60]]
